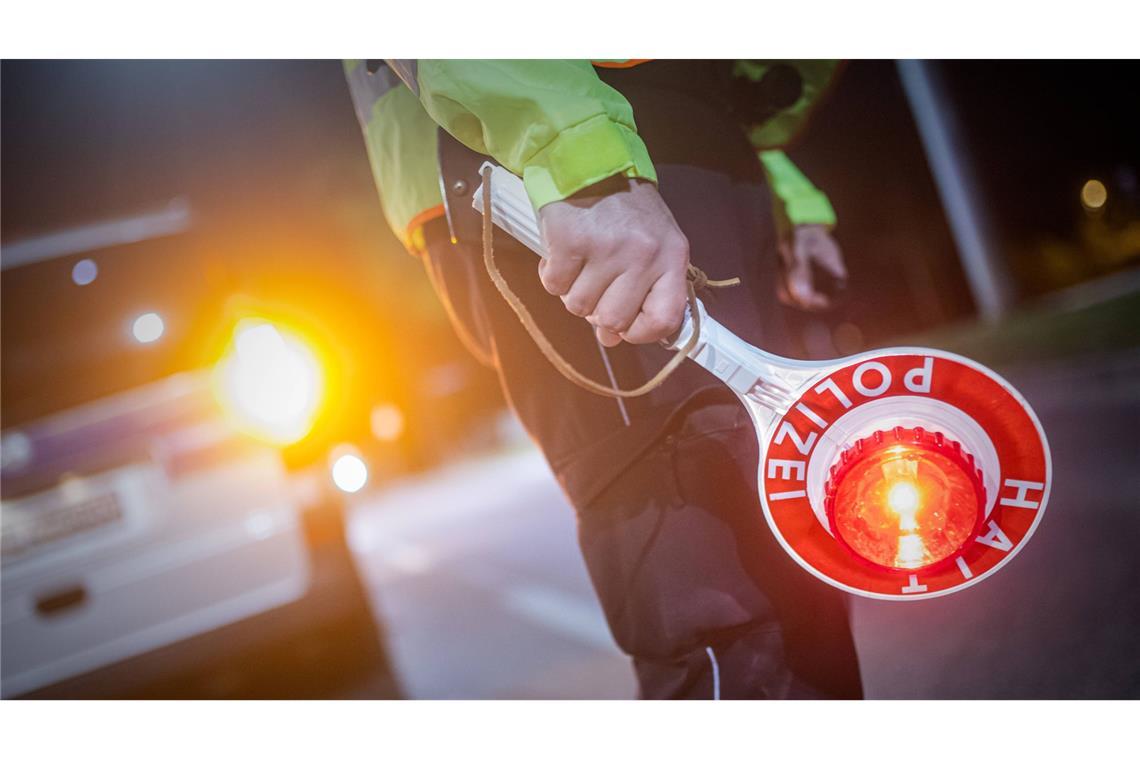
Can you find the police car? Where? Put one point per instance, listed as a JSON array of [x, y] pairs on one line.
[[154, 542]]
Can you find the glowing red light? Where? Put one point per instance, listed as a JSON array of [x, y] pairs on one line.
[[905, 498]]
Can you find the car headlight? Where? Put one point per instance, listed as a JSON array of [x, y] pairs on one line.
[[269, 383]]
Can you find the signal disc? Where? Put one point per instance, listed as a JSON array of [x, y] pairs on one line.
[[1021, 472]]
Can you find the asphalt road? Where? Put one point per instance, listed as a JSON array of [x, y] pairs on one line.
[[475, 572], [1063, 619]]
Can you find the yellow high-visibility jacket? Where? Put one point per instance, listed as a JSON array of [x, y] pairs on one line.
[[552, 122]]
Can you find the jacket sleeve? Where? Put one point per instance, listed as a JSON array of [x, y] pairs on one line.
[[552, 122], [797, 200]]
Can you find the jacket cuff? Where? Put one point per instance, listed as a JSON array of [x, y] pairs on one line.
[[582, 155], [809, 208]]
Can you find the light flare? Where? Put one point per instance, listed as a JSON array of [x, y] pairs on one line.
[[349, 472], [903, 499], [148, 327], [270, 383], [906, 503], [1093, 194]]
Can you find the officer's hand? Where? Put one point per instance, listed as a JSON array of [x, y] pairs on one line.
[[810, 243], [618, 259]]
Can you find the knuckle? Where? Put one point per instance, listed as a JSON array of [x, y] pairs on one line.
[[567, 247], [554, 284], [667, 324], [571, 248], [647, 239], [680, 250], [576, 306], [663, 325], [640, 244], [639, 334], [611, 321], [606, 323], [676, 241], [654, 326]]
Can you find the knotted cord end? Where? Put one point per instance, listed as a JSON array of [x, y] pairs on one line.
[[701, 281]]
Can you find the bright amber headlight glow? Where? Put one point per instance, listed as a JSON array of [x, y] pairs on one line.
[[269, 383], [905, 498]]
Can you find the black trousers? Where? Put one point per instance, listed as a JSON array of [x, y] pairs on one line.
[[694, 587], [693, 584]]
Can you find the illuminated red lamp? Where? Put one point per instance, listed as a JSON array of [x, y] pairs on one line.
[[905, 499]]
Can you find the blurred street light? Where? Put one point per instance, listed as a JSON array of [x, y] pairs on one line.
[[1094, 195], [349, 472], [84, 272], [148, 327], [387, 422]]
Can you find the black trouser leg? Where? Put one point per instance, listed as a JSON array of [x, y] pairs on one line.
[[694, 586]]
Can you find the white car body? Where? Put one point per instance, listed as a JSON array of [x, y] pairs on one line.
[[135, 522]]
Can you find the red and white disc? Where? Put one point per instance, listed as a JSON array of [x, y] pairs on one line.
[[946, 397]]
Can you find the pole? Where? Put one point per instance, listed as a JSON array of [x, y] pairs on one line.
[[961, 195]]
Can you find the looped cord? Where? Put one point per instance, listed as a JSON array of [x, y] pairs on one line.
[[696, 281]]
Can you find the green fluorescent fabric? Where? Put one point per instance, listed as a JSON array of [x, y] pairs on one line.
[[401, 141], [552, 122], [802, 202]]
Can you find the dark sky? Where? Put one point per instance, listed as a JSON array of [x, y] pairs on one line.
[[86, 140], [1038, 130]]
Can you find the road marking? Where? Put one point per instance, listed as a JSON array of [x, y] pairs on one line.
[[423, 506]]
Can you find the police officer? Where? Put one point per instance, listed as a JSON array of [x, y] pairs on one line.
[[693, 585]]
